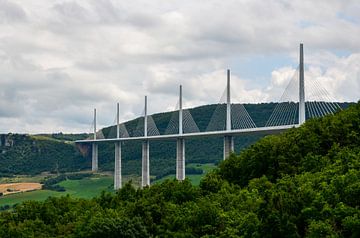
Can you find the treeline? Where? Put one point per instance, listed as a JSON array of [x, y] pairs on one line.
[[52, 183], [188, 171], [302, 183]]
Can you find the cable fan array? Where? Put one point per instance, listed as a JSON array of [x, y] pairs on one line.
[[189, 125], [286, 111], [152, 129], [112, 133], [319, 102], [99, 133], [240, 118]]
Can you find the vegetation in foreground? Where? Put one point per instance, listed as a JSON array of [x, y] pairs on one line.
[[303, 183]]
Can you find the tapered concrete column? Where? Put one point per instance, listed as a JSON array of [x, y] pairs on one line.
[[180, 159], [301, 87], [145, 164], [117, 172], [228, 146], [94, 159]]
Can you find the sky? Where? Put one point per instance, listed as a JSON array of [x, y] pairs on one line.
[[60, 59]]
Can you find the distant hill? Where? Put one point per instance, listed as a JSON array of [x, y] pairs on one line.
[[32, 154]]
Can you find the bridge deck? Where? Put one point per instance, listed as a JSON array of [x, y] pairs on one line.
[[258, 130]]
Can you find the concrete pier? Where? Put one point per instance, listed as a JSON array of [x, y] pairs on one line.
[[94, 159], [117, 173], [228, 146], [145, 164], [180, 159]]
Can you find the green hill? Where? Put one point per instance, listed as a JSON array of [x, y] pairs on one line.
[[302, 183], [29, 154], [33, 154]]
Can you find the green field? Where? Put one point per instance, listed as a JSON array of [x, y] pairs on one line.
[[84, 188], [194, 178], [87, 187]]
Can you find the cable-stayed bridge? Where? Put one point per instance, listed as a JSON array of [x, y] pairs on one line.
[[228, 120]]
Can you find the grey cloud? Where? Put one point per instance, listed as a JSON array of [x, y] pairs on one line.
[[11, 12], [144, 20], [73, 12]]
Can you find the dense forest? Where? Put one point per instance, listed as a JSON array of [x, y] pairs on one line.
[[28, 154], [302, 183], [31, 154]]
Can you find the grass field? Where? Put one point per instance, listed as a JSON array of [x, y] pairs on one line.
[[87, 187], [194, 178], [84, 188]]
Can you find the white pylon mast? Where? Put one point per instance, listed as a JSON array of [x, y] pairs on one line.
[[145, 118], [180, 112], [94, 123], [228, 103], [118, 120]]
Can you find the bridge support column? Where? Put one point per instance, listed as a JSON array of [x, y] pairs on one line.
[[94, 159], [117, 172], [180, 159], [145, 164], [228, 146]]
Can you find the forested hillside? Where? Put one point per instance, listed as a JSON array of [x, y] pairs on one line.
[[27, 154], [302, 183], [55, 152]]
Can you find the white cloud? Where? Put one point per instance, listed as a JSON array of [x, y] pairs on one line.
[[59, 59]]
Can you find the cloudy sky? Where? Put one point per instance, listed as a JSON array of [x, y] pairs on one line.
[[60, 59]]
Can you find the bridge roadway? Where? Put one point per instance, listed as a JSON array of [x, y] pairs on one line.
[[237, 132]]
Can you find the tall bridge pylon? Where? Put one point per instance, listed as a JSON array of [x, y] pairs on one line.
[[301, 87]]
